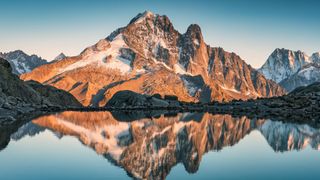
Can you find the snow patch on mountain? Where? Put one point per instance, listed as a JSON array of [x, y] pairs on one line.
[[20, 67], [196, 42], [230, 89], [307, 72], [179, 69], [117, 62], [111, 58], [307, 75]]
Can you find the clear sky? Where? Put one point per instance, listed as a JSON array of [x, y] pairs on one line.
[[250, 28]]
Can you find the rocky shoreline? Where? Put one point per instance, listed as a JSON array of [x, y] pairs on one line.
[[301, 105], [289, 108], [236, 109]]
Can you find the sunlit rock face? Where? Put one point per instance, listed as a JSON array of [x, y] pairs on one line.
[[148, 148]]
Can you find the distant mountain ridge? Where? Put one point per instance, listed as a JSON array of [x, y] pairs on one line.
[[21, 62], [292, 69], [149, 56]]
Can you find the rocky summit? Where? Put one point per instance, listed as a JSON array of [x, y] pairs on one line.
[[292, 69], [149, 56]]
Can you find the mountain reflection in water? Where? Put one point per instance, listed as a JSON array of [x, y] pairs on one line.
[[150, 147]]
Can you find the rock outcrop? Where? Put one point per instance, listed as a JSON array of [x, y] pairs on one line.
[[55, 96], [132, 99], [60, 57], [18, 97]]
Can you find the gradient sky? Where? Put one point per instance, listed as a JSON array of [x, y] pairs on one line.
[[252, 29]]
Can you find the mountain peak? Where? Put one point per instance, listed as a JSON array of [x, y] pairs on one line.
[[194, 28], [147, 13], [281, 51], [60, 57], [283, 63], [194, 32], [141, 16], [16, 52]]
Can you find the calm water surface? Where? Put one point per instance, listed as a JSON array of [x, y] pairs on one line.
[[104, 145]]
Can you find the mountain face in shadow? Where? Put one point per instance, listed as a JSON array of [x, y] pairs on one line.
[[292, 69], [150, 147], [22, 62]]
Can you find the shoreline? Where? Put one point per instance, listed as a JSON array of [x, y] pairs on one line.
[[284, 108]]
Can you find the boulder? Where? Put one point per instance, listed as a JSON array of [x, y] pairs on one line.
[[54, 96], [128, 98]]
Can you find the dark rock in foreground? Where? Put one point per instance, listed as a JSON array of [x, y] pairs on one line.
[[302, 104], [18, 97], [55, 96], [128, 98]]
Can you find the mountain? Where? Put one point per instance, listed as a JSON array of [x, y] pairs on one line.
[[17, 96], [21, 62], [283, 63], [308, 74], [292, 69], [60, 57], [149, 56]]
